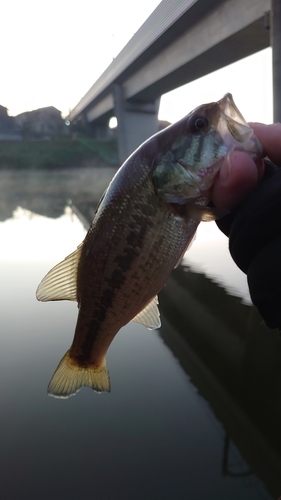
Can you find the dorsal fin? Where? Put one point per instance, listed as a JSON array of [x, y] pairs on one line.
[[149, 316], [61, 281]]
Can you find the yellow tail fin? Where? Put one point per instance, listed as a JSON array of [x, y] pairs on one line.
[[69, 377]]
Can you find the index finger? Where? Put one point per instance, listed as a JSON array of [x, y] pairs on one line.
[[270, 137], [236, 179]]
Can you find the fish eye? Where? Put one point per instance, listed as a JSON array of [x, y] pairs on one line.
[[199, 123]]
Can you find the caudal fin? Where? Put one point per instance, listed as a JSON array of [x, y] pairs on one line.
[[69, 377]]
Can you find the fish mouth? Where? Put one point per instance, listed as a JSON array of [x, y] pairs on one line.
[[235, 121], [230, 110], [235, 130]]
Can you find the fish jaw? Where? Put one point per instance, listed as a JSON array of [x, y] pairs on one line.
[[236, 132]]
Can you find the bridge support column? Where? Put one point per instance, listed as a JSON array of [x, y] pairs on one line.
[[101, 132], [136, 122], [276, 57]]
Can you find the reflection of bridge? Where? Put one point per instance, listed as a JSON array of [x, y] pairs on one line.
[[179, 42], [235, 362]]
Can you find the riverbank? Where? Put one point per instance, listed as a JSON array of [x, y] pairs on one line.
[[65, 152]]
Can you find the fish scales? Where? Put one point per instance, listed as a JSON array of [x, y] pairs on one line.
[[122, 284], [141, 229]]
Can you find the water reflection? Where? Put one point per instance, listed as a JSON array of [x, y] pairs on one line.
[[194, 408], [44, 192], [209, 255]]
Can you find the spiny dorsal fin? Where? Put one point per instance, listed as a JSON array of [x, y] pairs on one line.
[[61, 281], [149, 316]]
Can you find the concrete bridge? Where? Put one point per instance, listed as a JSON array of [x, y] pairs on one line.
[[180, 42]]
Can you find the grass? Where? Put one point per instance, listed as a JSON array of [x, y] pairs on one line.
[[60, 153]]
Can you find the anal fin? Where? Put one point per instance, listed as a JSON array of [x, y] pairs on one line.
[[149, 316]]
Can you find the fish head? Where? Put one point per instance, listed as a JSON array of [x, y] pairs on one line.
[[196, 147]]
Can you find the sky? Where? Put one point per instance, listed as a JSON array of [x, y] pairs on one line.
[[52, 53]]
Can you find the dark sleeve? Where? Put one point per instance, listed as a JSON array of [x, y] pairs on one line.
[[254, 231]]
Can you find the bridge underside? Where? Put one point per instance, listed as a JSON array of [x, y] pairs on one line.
[[207, 37]]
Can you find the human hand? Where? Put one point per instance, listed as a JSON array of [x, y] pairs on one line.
[[240, 173], [253, 224]]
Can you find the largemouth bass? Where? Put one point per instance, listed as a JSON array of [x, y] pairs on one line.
[[140, 232]]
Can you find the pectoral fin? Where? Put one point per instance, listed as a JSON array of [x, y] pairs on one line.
[[61, 281], [205, 214], [149, 316]]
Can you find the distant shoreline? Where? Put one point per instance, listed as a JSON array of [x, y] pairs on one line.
[[61, 153], [47, 192]]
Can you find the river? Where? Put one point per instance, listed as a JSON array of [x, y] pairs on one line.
[[194, 410]]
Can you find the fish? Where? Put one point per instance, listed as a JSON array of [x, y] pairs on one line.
[[141, 229]]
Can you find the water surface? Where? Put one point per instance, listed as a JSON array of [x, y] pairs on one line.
[[180, 421]]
